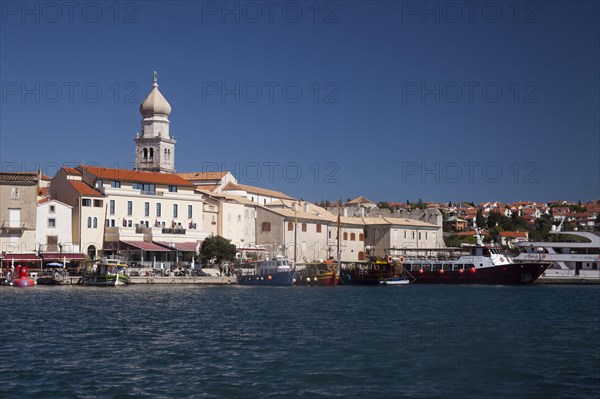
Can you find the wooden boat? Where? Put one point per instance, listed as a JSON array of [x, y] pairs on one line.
[[370, 273], [321, 274]]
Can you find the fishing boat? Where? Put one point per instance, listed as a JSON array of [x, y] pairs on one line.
[[268, 272], [106, 272], [470, 264], [323, 274], [54, 277]]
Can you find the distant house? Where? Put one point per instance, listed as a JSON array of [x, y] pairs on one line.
[[456, 224], [361, 202], [510, 238]]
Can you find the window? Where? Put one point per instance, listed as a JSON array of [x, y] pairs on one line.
[[86, 202], [158, 209], [14, 193], [290, 226], [352, 237], [361, 237], [129, 223], [146, 209], [266, 226], [318, 228], [99, 183], [419, 235], [303, 226], [115, 184], [413, 235], [345, 236], [329, 234], [52, 209], [89, 222], [239, 218], [107, 223], [52, 222], [111, 207], [172, 189], [265, 201], [129, 208], [145, 188], [175, 210], [97, 203], [95, 222], [190, 211]]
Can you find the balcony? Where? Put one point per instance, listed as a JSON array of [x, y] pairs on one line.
[[175, 230], [13, 227]]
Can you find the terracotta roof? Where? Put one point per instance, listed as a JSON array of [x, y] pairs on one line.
[[255, 190], [168, 179], [43, 200], [207, 187], [72, 171], [19, 176], [85, 190], [202, 175], [43, 191], [360, 200], [514, 234]]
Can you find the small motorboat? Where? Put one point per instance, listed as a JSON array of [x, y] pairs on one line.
[[394, 281]]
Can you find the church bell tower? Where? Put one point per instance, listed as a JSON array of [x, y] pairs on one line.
[[155, 147]]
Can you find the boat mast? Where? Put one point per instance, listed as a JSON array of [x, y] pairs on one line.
[[339, 228]]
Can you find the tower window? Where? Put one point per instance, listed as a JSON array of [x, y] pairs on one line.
[[151, 153], [145, 154]]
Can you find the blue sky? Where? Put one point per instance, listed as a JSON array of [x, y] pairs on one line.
[[392, 100]]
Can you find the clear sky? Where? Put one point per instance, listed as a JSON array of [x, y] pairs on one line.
[[393, 100]]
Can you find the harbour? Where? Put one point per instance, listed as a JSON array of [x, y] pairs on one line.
[[239, 341]]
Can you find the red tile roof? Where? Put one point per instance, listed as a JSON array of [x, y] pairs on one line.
[[85, 190], [167, 179], [514, 234], [71, 171]]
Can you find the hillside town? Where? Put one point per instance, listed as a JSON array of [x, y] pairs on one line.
[[154, 214]]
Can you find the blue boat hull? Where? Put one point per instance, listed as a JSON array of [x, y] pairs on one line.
[[277, 279]]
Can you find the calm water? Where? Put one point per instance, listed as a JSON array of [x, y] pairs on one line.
[[241, 342]]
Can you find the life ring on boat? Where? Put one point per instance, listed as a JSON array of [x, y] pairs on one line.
[[401, 259], [376, 267], [331, 267], [501, 259]]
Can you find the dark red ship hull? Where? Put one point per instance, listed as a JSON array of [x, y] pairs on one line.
[[515, 273]]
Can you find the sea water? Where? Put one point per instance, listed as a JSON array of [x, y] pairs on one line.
[[421, 341]]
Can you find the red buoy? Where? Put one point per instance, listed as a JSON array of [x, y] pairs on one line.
[[461, 271], [473, 269], [23, 280], [441, 271], [270, 278], [421, 271]]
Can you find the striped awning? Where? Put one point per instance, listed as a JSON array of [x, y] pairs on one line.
[[10, 257], [145, 246]]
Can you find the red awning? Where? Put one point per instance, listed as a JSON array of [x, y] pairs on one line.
[[21, 258], [58, 257], [145, 246], [181, 246]]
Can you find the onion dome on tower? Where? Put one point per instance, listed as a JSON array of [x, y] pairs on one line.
[[155, 147]]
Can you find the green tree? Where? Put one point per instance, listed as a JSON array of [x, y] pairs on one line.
[[479, 219], [218, 248]]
